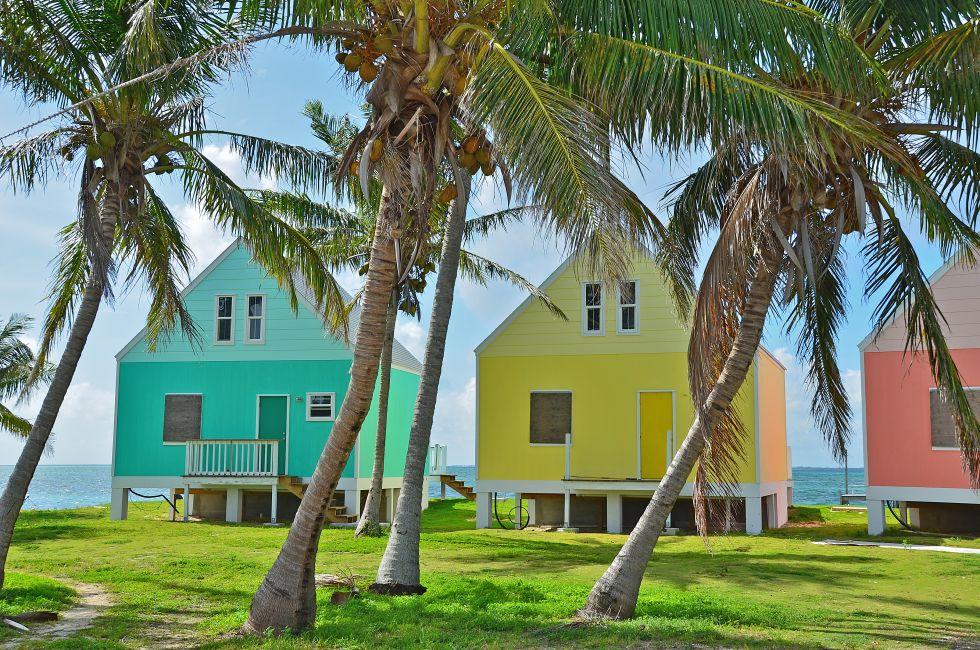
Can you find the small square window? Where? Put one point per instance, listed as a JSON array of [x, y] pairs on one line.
[[319, 407]]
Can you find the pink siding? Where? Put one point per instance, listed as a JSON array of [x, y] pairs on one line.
[[897, 420]]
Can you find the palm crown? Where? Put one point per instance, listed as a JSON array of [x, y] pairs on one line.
[[120, 141], [800, 207]]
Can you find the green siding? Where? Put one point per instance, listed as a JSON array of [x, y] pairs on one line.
[[288, 334], [296, 358], [401, 406]]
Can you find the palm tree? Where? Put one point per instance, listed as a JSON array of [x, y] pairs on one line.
[[343, 240], [118, 142], [475, 83], [782, 216], [16, 366]]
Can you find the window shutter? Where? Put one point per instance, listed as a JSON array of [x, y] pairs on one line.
[[181, 418], [941, 418], [551, 417]]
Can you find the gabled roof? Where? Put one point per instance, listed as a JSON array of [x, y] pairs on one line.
[[544, 286], [935, 277], [400, 356]]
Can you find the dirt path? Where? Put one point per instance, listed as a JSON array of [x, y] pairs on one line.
[[93, 599]]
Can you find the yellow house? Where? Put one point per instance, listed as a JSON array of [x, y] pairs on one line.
[[580, 418]]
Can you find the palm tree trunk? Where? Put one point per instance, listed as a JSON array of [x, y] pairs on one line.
[[399, 569], [20, 479], [614, 594], [286, 599], [370, 523]]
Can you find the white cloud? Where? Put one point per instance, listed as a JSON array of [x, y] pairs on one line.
[[454, 422], [809, 448], [412, 335], [204, 239], [230, 162]]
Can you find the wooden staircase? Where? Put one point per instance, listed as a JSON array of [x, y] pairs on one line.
[[450, 480], [336, 511]]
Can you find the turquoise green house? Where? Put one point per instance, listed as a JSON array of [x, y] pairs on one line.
[[235, 422]]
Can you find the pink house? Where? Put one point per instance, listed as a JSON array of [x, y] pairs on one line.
[[911, 452]]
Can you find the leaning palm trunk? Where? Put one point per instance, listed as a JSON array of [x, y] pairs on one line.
[[399, 569], [370, 523], [614, 594], [286, 600], [20, 479]]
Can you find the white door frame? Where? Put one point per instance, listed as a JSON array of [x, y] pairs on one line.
[[258, 406], [671, 435]]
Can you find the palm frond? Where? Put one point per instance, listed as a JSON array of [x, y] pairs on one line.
[[954, 170], [486, 224], [479, 269], [896, 271]]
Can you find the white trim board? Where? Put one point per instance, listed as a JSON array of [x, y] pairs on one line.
[[629, 488], [930, 494]]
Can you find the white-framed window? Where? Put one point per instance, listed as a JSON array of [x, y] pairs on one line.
[[224, 320], [255, 319], [320, 407], [628, 318], [592, 308]]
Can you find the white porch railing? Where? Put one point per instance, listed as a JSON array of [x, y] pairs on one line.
[[232, 458], [438, 455]]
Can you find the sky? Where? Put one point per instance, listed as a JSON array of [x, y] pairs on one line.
[[267, 100]]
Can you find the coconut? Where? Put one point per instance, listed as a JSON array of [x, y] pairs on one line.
[[447, 194], [376, 150], [467, 159], [487, 169], [352, 61], [107, 140], [472, 169], [348, 43], [368, 72], [460, 86], [483, 156], [471, 144], [341, 57], [355, 168]]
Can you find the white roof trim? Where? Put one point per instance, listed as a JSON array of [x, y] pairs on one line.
[[544, 285], [524, 305], [935, 277], [408, 362], [183, 294]]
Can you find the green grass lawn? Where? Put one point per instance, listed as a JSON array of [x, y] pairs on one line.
[[504, 588]]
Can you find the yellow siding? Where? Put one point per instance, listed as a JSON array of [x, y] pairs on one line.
[[772, 419], [536, 332], [604, 412]]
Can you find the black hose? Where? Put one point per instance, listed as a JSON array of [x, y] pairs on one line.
[[173, 505], [901, 521], [515, 525]]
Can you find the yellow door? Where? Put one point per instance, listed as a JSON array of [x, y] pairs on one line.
[[656, 423]]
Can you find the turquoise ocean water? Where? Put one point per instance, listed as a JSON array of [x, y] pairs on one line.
[[74, 486]]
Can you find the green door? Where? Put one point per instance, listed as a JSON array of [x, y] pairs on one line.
[[272, 423]]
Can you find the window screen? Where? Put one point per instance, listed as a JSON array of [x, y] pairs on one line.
[[181, 418], [593, 307], [224, 315], [941, 418], [256, 318], [627, 306], [551, 417]]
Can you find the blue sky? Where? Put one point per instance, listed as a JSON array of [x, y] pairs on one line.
[[267, 100]]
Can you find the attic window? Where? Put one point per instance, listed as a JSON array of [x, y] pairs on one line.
[[255, 320], [628, 307], [942, 425], [592, 308], [551, 417], [224, 319]]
